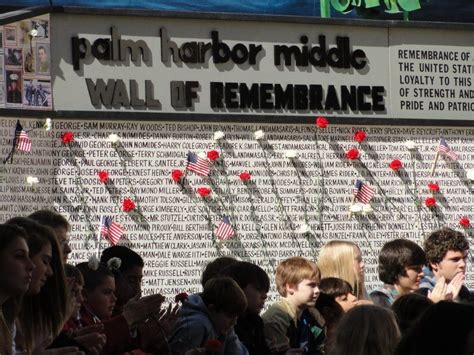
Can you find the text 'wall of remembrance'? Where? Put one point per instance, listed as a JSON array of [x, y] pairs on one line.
[[297, 199]]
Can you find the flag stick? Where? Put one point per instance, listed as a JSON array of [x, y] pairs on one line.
[[350, 211], [98, 238], [433, 167]]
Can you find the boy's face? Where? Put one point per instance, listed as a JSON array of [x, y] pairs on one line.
[[305, 294], [102, 299], [346, 302], [223, 322], [412, 278], [255, 299], [453, 263]]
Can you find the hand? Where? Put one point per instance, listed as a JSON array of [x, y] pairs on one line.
[[152, 337], [94, 328], [362, 302], [138, 309], [454, 287], [94, 342], [167, 318], [439, 291]]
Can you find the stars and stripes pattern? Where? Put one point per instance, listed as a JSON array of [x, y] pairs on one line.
[[445, 150], [197, 164], [110, 229], [363, 192], [23, 142], [224, 230]]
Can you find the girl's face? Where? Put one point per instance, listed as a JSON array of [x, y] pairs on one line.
[[43, 270], [16, 268], [102, 299], [77, 295], [347, 302], [358, 263]]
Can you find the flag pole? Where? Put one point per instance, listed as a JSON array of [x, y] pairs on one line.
[[98, 237], [350, 211], [433, 167]]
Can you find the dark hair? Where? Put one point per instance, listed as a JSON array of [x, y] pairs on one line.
[[395, 256], [214, 267], [74, 272], [335, 287], [94, 278], [245, 273], [408, 308], [332, 313], [225, 295], [441, 241], [37, 235], [50, 218], [129, 258]]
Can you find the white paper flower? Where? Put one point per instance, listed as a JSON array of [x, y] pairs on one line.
[[47, 124], [93, 263], [356, 208], [410, 145], [113, 138], [32, 180], [33, 33], [114, 264], [304, 228], [202, 155], [291, 154], [218, 135], [470, 174], [367, 209], [259, 134]]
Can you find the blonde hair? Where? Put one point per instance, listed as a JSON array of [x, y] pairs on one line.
[[293, 270], [336, 259]]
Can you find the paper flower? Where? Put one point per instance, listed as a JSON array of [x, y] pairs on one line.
[[213, 155], [67, 137], [103, 176], [33, 33], [359, 136], [245, 176], [356, 208], [367, 209], [395, 165], [321, 122], [470, 174], [113, 138], [259, 134], [202, 154], [181, 297], [410, 145], [32, 180], [203, 191], [214, 346], [433, 187], [114, 264], [352, 154], [93, 263], [219, 135], [303, 229], [47, 124], [176, 175], [291, 154], [128, 205], [430, 202], [465, 222]]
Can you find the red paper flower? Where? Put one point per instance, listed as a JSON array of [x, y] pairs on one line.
[[181, 297], [352, 154], [214, 345], [128, 205], [176, 175], [433, 187], [359, 136], [321, 122], [245, 176], [465, 222], [395, 164], [204, 191], [67, 137], [213, 155], [103, 176], [430, 202]]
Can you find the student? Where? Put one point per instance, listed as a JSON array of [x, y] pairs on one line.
[[340, 291], [210, 316], [446, 251], [343, 259], [401, 270], [366, 330], [214, 267], [408, 308], [254, 281], [16, 270], [293, 322]]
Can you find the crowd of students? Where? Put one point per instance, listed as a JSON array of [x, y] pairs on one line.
[[51, 307]]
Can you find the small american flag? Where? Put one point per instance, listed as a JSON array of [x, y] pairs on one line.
[[23, 142], [444, 149], [363, 192], [197, 164], [110, 229], [224, 230]]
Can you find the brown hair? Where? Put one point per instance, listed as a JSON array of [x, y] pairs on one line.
[[293, 270], [225, 295], [441, 241]]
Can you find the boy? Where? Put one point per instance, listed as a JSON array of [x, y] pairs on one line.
[[400, 268], [446, 251], [293, 322], [253, 280], [210, 316]]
